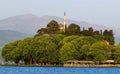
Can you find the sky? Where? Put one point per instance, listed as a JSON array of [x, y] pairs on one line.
[[105, 12]]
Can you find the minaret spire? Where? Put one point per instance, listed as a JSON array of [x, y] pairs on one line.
[[64, 13], [64, 21]]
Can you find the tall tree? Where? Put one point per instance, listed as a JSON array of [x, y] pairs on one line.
[[53, 27], [76, 49], [90, 31], [96, 33], [73, 29], [116, 53], [100, 51], [27, 50], [42, 31], [9, 52], [108, 36]]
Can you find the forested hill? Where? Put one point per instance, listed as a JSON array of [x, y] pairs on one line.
[[53, 45]]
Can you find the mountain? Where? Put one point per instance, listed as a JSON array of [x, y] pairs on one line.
[[23, 23], [117, 39], [30, 23], [7, 36]]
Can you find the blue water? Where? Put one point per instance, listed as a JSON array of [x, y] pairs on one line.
[[57, 70]]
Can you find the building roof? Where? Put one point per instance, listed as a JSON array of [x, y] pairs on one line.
[[77, 61]]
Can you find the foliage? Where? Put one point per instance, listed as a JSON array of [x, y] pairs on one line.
[[108, 36], [77, 49], [116, 53], [52, 28], [100, 51], [57, 48], [50, 46], [73, 29], [8, 51]]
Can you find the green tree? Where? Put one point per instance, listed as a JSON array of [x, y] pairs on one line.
[[56, 38], [69, 38], [76, 49], [73, 29], [108, 36], [27, 51], [96, 33], [90, 31], [47, 50], [100, 51], [116, 53], [53, 27], [85, 33], [42, 31], [68, 52], [9, 52], [89, 39]]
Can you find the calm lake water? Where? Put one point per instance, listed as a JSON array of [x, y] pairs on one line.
[[57, 70]]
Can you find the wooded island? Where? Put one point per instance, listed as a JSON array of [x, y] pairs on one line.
[[53, 45]]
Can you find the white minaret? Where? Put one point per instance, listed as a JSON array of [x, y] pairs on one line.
[[64, 22]]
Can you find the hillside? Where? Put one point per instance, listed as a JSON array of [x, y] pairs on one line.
[[117, 39], [7, 36], [30, 23]]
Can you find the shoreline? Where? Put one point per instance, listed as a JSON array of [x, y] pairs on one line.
[[96, 66], [69, 66]]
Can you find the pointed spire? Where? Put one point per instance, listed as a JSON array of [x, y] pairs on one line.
[[64, 23], [64, 14]]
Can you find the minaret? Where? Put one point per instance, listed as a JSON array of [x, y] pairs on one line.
[[64, 22]]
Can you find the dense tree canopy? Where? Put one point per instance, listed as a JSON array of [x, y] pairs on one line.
[[108, 36], [9, 52], [76, 49], [58, 48], [73, 29], [116, 53], [52, 28], [51, 46], [100, 51]]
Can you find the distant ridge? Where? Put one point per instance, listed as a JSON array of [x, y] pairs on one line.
[[7, 36], [29, 23]]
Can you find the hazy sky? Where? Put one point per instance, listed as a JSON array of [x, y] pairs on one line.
[[105, 12]]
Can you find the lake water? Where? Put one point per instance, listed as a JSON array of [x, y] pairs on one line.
[[57, 70]]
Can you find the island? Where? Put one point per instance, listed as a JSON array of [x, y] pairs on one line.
[[64, 45]]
